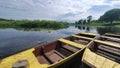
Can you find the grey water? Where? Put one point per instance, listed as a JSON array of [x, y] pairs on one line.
[[14, 40]]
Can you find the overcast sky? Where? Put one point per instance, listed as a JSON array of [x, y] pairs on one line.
[[61, 10]]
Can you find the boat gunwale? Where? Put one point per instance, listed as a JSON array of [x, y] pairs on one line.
[[96, 55], [112, 34], [107, 43], [65, 59]]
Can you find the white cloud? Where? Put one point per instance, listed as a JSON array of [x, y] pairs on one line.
[[53, 9]]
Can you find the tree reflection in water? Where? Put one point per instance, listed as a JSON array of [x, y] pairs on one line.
[[100, 30]]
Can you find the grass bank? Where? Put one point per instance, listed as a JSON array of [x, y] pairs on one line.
[[32, 24], [116, 24]]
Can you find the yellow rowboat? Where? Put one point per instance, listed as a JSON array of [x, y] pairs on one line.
[[102, 54], [59, 53], [112, 35], [92, 60]]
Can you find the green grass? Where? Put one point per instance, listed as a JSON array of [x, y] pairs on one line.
[[117, 24], [32, 24]]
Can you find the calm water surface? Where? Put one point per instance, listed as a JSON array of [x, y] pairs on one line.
[[15, 40]]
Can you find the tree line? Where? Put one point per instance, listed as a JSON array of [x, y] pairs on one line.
[[109, 16], [84, 21]]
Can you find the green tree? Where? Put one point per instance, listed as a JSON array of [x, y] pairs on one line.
[[89, 19], [84, 21], [80, 21], [111, 15]]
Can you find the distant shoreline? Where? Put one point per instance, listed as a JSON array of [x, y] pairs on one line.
[[32, 24], [116, 24]]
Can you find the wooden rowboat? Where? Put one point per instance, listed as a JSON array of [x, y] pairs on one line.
[[102, 53], [112, 35], [59, 53]]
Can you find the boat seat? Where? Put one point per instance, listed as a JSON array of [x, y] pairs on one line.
[[109, 49], [111, 38], [112, 35], [53, 57], [81, 42], [91, 34], [58, 53], [64, 52], [73, 49], [108, 43], [108, 55], [93, 59], [72, 43], [82, 37], [42, 60]]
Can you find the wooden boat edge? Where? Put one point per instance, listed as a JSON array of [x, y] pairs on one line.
[[18, 57], [94, 62], [66, 59]]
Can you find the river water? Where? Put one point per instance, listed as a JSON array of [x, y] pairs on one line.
[[15, 40]]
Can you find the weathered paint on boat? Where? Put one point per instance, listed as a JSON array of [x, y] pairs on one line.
[[112, 35], [89, 58], [72, 43], [33, 61], [102, 53], [25, 55], [92, 59], [88, 33]]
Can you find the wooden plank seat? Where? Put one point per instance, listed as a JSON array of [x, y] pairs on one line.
[[73, 49], [89, 34], [43, 60], [114, 42], [102, 54], [108, 55], [64, 52], [108, 43], [81, 42], [86, 38], [58, 53], [72, 43], [52, 56], [109, 49], [111, 38], [112, 35]]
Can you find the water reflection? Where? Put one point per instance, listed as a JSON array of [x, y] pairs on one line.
[[102, 30], [85, 28], [13, 40], [99, 30]]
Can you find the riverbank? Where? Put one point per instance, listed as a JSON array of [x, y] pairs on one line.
[[32, 24], [115, 24]]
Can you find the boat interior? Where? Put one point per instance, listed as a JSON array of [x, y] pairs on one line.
[[79, 39], [108, 50], [112, 35], [77, 47], [111, 39], [87, 35], [54, 52]]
